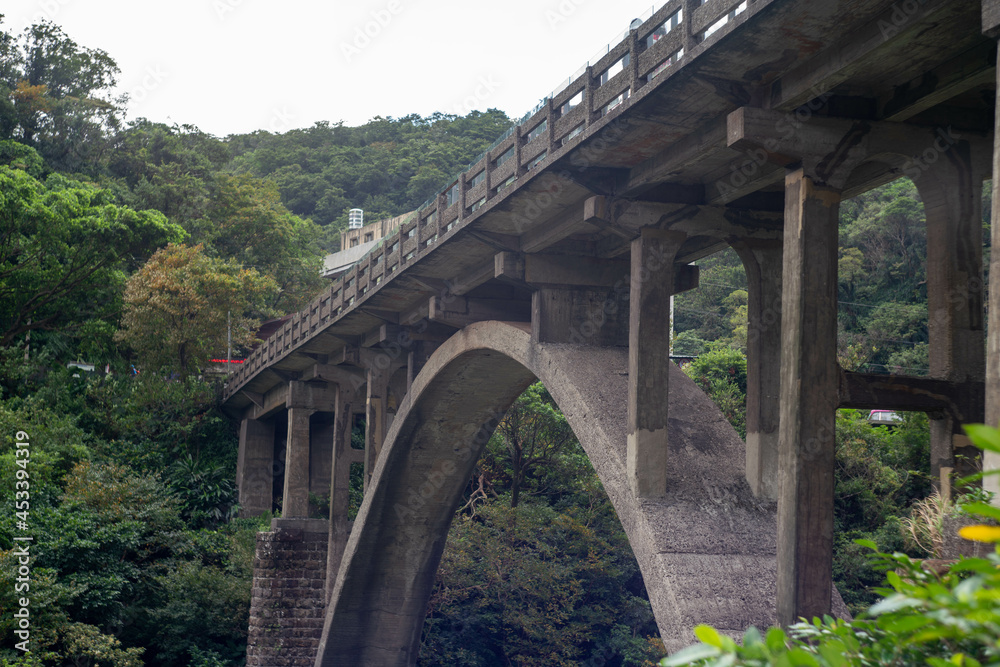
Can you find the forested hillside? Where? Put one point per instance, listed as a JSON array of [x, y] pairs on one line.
[[135, 246]]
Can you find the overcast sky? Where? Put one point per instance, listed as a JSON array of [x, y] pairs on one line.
[[233, 66]]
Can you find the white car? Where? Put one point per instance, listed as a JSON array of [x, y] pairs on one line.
[[884, 418]]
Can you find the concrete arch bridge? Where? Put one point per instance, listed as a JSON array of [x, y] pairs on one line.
[[714, 124]]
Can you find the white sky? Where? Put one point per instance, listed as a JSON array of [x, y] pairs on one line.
[[234, 66]]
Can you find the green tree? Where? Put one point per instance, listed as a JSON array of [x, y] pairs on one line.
[[180, 305], [246, 222], [65, 250], [534, 432], [59, 96], [722, 374], [168, 168]]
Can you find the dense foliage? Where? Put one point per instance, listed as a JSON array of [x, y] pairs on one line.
[[537, 569], [136, 561], [139, 246]]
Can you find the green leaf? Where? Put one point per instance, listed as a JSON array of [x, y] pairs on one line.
[[708, 635], [776, 639], [980, 565], [867, 543], [984, 437], [833, 653], [690, 654], [904, 624], [982, 509], [752, 636], [800, 656], [892, 603]]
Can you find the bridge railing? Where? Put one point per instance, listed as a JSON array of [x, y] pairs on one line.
[[597, 93]]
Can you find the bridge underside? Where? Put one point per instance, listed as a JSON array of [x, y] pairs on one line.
[[707, 535], [738, 126]]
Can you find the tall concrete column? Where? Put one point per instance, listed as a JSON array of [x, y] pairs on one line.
[[951, 189], [295, 501], [375, 416], [652, 284], [420, 352], [991, 461], [809, 399], [321, 438], [255, 466], [340, 483], [763, 265]]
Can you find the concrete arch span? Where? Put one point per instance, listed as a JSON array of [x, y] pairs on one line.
[[706, 551]]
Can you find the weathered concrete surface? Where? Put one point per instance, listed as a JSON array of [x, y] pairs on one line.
[[991, 460], [706, 549]]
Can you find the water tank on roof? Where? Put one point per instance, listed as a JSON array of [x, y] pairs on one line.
[[355, 218]]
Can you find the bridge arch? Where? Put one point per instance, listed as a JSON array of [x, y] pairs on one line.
[[706, 551]]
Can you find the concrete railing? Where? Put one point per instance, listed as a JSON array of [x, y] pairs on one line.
[[644, 57]]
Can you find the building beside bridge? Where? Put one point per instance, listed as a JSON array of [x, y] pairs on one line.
[[356, 242]]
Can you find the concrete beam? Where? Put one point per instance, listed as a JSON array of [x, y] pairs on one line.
[[711, 220], [680, 155], [651, 286], [311, 395], [826, 70], [459, 311], [966, 72], [268, 404], [331, 373], [963, 401], [543, 236]]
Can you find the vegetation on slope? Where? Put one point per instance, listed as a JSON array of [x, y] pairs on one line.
[[119, 236]]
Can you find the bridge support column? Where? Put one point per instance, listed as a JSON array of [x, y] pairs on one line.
[[991, 461], [255, 467], [762, 262], [321, 452], [295, 498], [420, 352], [375, 416], [340, 482], [951, 190], [652, 284], [288, 605], [809, 398]]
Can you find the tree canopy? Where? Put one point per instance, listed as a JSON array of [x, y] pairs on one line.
[[65, 252], [181, 306]]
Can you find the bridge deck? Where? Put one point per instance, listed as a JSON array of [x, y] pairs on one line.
[[926, 64]]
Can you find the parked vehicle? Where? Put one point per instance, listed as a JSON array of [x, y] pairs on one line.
[[884, 418]]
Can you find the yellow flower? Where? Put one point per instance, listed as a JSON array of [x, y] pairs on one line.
[[981, 533]]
